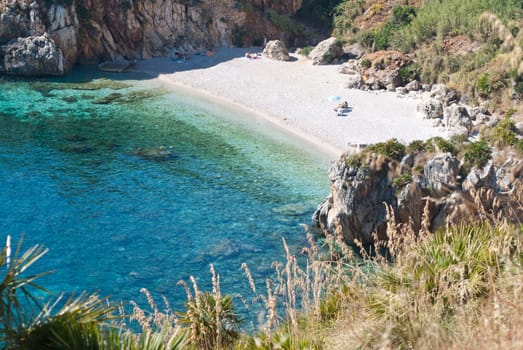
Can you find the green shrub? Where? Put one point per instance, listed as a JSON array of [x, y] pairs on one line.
[[344, 15], [365, 63], [305, 51], [477, 153], [354, 160], [504, 134], [518, 81], [212, 319], [482, 85], [401, 181], [392, 149], [382, 36], [415, 147], [451, 17], [409, 72], [283, 22], [403, 15], [439, 144]]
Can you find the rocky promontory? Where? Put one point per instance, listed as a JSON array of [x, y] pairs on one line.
[[426, 185]]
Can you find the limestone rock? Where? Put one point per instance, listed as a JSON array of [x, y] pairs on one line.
[[519, 128], [400, 90], [361, 187], [354, 81], [480, 177], [430, 108], [438, 90], [33, 56], [414, 85], [441, 173], [13, 24], [64, 29], [356, 201], [349, 67], [384, 70], [353, 51], [116, 66], [276, 50], [326, 52], [457, 116], [92, 31], [508, 173]]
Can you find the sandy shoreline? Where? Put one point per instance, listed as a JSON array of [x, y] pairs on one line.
[[295, 96]]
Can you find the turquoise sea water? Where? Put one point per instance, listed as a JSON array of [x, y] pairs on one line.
[[131, 185]]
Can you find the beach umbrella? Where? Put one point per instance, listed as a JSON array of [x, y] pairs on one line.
[[8, 250], [334, 98]]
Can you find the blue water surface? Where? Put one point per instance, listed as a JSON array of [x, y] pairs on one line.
[[130, 185]]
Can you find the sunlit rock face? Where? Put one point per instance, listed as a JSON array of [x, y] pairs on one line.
[[90, 31]]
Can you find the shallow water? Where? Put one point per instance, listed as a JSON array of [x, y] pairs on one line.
[[131, 185]]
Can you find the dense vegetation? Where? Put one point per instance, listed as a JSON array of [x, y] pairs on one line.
[[473, 46]]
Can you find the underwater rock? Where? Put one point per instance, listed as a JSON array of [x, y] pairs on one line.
[[75, 138], [158, 154], [77, 148]]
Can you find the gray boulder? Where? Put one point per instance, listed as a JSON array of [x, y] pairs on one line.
[[508, 173], [414, 85], [430, 108], [481, 177], [354, 51], [349, 67], [457, 116], [356, 201], [33, 56], [438, 90], [354, 81], [13, 24], [276, 50], [519, 128], [326, 52], [441, 173]]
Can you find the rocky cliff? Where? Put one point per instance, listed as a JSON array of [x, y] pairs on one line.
[[93, 31], [426, 187]]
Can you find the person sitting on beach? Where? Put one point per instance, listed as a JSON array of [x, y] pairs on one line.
[[341, 106]]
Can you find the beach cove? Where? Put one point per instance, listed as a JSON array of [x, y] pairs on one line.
[[294, 95], [114, 167]]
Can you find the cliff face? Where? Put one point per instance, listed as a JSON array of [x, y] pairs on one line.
[[427, 196], [93, 31]]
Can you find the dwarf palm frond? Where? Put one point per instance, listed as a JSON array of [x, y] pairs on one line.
[[17, 301]]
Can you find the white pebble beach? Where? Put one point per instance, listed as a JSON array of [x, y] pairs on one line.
[[295, 95]]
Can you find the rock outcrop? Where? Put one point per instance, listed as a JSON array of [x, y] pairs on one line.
[[32, 56], [92, 31], [363, 184], [276, 50], [326, 52], [382, 70]]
